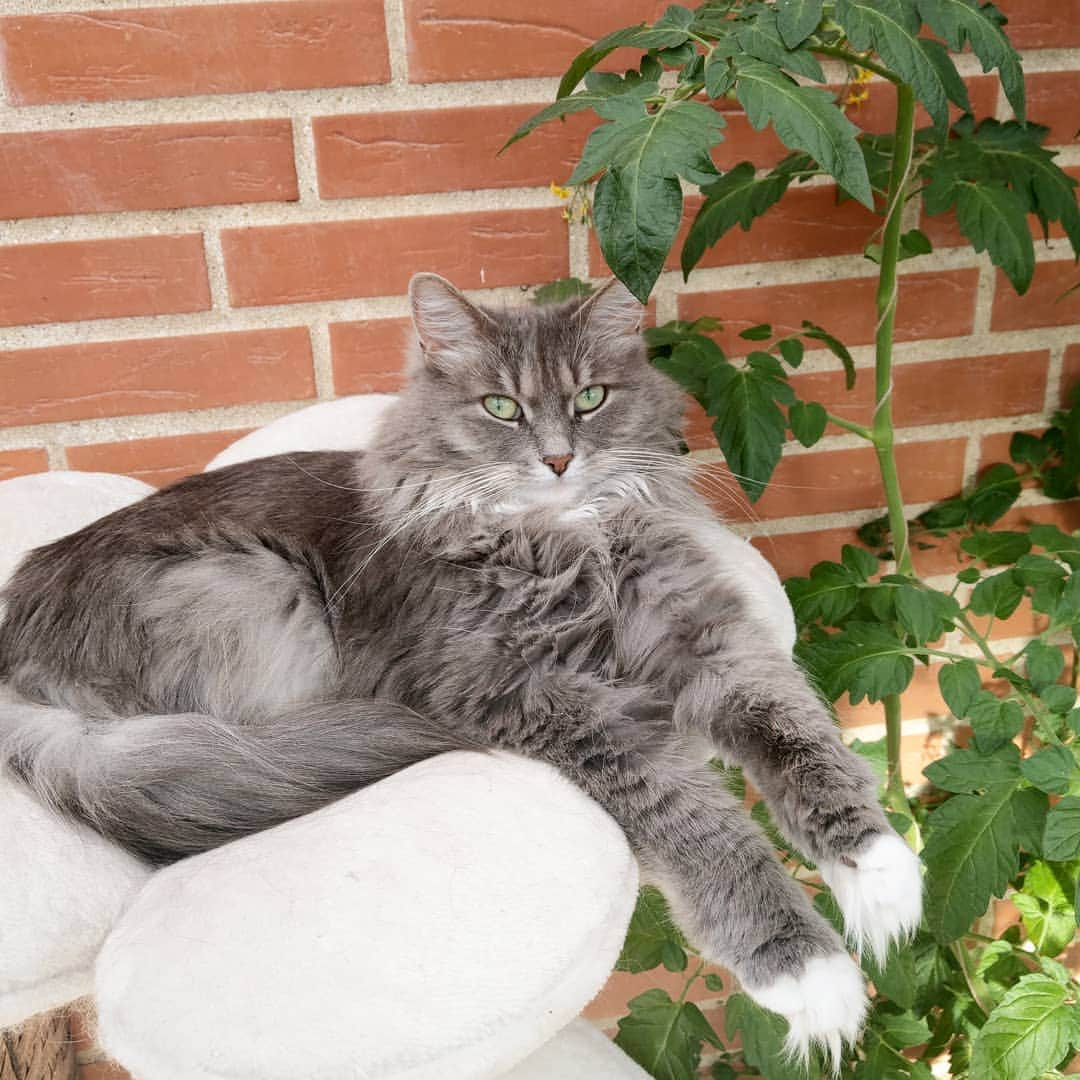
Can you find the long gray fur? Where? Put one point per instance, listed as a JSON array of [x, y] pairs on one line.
[[258, 641]]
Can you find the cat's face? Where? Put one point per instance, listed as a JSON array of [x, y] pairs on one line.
[[554, 405]]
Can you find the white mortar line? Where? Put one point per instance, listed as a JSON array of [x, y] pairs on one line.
[[322, 358], [215, 270], [1053, 376], [397, 42], [971, 460], [307, 178], [579, 249], [984, 297]]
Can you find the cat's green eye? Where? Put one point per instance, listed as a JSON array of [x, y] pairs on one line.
[[592, 397], [502, 408]]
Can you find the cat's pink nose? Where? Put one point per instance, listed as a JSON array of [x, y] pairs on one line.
[[557, 463]]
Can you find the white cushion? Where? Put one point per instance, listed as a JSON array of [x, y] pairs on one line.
[[443, 923], [579, 1052]]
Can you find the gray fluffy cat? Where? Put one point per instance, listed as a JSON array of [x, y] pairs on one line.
[[518, 561]]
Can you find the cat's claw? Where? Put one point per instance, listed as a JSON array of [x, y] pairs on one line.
[[824, 1006], [880, 894]]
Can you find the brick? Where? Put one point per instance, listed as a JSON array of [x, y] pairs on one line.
[[102, 279], [334, 260], [878, 114], [938, 391], [157, 461], [1038, 24], [203, 49], [453, 40], [122, 378], [1044, 304], [1051, 100], [96, 170], [22, 462], [807, 223], [932, 305], [829, 481], [369, 356], [405, 153]]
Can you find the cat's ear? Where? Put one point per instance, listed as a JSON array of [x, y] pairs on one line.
[[447, 324], [612, 311]]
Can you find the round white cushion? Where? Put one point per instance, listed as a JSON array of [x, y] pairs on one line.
[[442, 923]]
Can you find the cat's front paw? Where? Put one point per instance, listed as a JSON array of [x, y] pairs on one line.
[[880, 893], [824, 1006]]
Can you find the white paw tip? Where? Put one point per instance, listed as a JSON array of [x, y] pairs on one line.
[[880, 896], [824, 1006]]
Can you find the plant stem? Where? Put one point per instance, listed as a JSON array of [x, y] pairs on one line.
[[887, 293], [691, 980], [850, 425], [857, 61], [894, 781], [964, 960]]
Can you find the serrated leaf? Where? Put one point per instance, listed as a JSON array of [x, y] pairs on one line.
[[865, 659], [995, 221], [863, 564], [808, 421], [1061, 840], [914, 243], [968, 771], [555, 292], [791, 349], [663, 1036], [829, 594], [962, 22], [939, 56], [999, 595], [995, 722], [1064, 545], [673, 956], [996, 490], [835, 346], [556, 111], [960, 684], [761, 332], [950, 514], [735, 199], [1044, 664], [759, 36], [1058, 699], [1027, 449], [749, 425], [804, 118], [895, 977], [969, 575], [713, 982], [762, 1035], [891, 27], [996, 548], [1038, 569], [691, 363], [916, 613], [797, 20], [662, 36], [1047, 909], [971, 853], [1028, 1031], [650, 931], [1050, 769]]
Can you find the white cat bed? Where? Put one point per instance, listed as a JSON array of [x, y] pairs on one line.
[[448, 922]]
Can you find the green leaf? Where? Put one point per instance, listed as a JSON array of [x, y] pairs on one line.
[[713, 982], [749, 425], [1061, 841], [806, 119], [962, 22], [673, 956], [943, 516], [1044, 663], [1059, 699], [638, 202], [1047, 909], [1027, 1033], [762, 1034], [995, 722], [808, 421], [997, 489], [761, 332], [960, 684], [995, 221], [760, 37], [662, 36], [971, 853], [969, 575], [735, 199], [939, 56], [556, 111], [829, 594], [650, 931], [1027, 449], [719, 74], [1038, 570], [891, 27], [1050, 538], [914, 243], [791, 349], [636, 222], [917, 613], [568, 288], [862, 563], [691, 363], [1050, 769], [865, 659], [999, 595], [967, 771], [797, 20], [663, 1036], [896, 976], [835, 346], [996, 548]]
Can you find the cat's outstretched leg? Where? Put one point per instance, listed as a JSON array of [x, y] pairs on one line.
[[761, 714], [728, 891]]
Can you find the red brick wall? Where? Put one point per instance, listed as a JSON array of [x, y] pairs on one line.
[[212, 210]]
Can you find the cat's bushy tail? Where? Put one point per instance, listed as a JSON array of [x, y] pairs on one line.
[[165, 787]]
